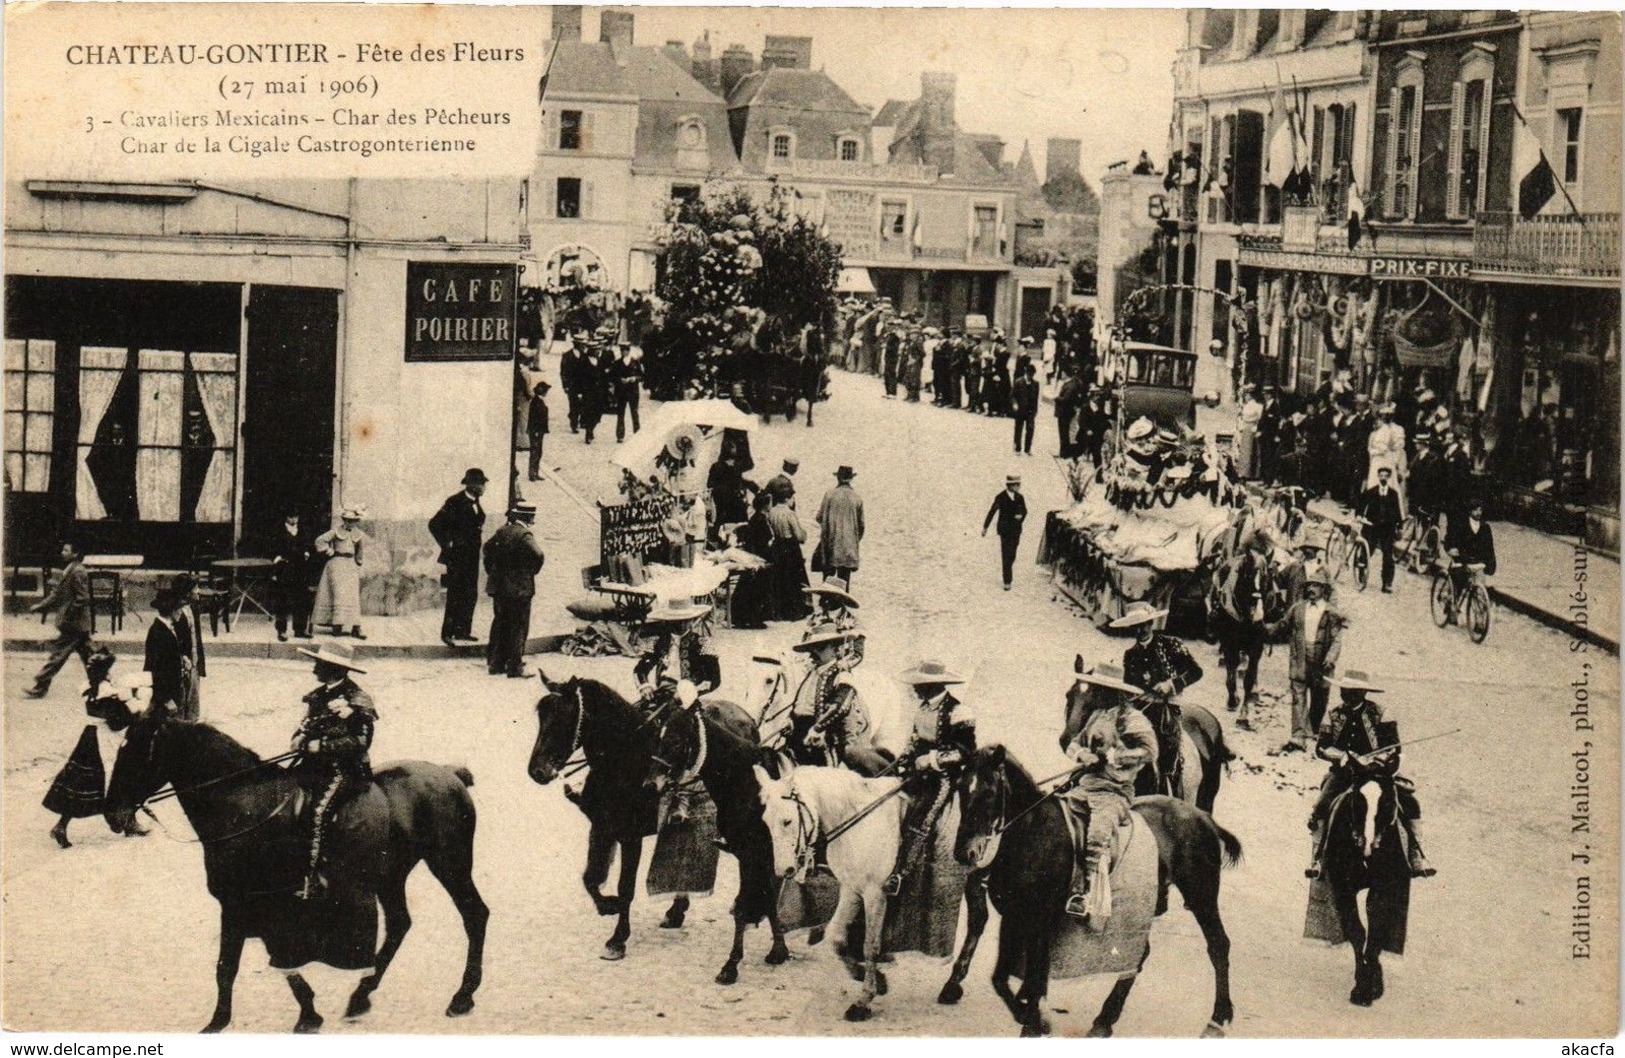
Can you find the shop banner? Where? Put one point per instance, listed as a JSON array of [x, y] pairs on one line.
[[460, 311]]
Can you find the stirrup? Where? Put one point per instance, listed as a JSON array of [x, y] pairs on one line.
[[893, 884], [1313, 871], [1421, 868], [1078, 905]]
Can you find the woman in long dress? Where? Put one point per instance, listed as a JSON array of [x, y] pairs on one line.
[[79, 789], [1247, 433], [338, 596]]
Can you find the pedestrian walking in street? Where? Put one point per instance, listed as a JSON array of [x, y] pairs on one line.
[[594, 395], [1379, 506], [1385, 447], [457, 527], [80, 788], [1068, 405], [1024, 406], [1315, 639], [169, 657], [628, 376], [572, 376], [293, 581], [840, 519], [1010, 509], [536, 427], [71, 598], [891, 359], [338, 596], [789, 565], [512, 560]]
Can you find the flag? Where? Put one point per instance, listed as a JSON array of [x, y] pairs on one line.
[[1538, 183], [1356, 214], [1170, 176], [1004, 239], [914, 235], [1303, 180]]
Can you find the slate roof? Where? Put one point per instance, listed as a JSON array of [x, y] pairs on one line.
[[809, 90]]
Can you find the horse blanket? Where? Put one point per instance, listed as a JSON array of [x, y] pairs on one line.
[[1078, 952], [686, 854], [1389, 906], [924, 917]]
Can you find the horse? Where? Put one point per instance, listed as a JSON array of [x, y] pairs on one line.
[[799, 808], [413, 811], [1365, 850], [1019, 837], [618, 743], [1202, 748], [1241, 631], [718, 746]]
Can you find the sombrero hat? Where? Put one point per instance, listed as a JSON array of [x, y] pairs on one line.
[[683, 442], [674, 613], [334, 654], [1109, 676], [1138, 613], [930, 672], [826, 634], [1353, 680], [1318, 576], [1140, 429], [834, 588]]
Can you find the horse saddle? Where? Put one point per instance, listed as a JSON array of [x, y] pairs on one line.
[[1078, 811]]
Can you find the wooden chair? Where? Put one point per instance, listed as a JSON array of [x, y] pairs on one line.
[[106, 596], [211, 593]]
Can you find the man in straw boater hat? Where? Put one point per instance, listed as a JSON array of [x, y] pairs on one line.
[[942, 737], [1361, 744], [1010, 509], [1161, 664], [828, 723], [332, 743], [1114, 741]]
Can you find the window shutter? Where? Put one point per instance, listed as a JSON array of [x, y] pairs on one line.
[[548, 188], [1317, 150], [587, 127], [1390, 165], [1484, 146], [1416, 156], [551, 137], [1452, 192], [1348, 135], [586, 199]]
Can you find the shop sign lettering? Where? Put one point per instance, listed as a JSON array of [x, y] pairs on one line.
[[1420, 268], [460, 311]]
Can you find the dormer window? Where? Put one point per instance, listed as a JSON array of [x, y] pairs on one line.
[[848, 149], [783, 146], [692, 150]]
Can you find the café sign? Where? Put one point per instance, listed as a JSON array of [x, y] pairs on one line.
[[460, 311], [1420, 268]]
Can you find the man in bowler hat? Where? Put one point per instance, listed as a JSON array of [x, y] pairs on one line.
[[456, 528]]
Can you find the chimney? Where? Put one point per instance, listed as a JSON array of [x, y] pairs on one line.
[[615, 27], [678, 52], [936, 128], [1061, 156], [789, 53], [702, 47], [567, 22], [737, 61]]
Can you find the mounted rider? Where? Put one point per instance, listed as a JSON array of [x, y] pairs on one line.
[[1362, 745], [832, 604], [941, 739], [1114, 741], [673, 673], [1161, 664], [332, 743], [828, 723]]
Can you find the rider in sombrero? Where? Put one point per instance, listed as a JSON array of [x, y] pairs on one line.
[[332, 743], [1161, 664], [676, 651], [941, 739], [828, 723]]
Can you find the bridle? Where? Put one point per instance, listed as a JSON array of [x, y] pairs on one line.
[[161, 794], [807, 827]]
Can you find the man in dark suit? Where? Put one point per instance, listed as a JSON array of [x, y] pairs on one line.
[[1024, 406], [292, 552], [572, 372], [456, 528], [1469, 542], [168, 654], [512, 560], [1379, 506], [1010, 508], [627, 373], [71, 596], [536, 427]]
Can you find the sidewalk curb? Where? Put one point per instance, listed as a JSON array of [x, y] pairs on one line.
[[1560, 622], [548, 644]]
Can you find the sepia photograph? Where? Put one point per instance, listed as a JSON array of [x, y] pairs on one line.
[[657, 521]]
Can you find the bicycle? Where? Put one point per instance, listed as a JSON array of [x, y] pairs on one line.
[[1346, 548], [1417, 545], [1284, 506], [1472, 602]]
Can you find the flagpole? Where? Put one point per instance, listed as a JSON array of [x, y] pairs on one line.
[[1556, 179]]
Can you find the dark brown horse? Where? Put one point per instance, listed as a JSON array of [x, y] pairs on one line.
[[717, 745], [1020, 837], [1365, 851], [617, 744], [1204, 747], [255, 851]]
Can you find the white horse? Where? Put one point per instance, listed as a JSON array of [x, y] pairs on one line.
[[806, 804]]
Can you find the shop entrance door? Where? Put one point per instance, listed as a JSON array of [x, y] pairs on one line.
[[289, 384], [1034, 313]]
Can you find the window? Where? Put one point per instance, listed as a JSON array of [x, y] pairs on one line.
[[569, 198], [30, 413], [985, 230], [686, 197], [893, 221], [1404, 140], [1469, 135], [847, 149], [570, 125], [781, 145], [1568, 131]]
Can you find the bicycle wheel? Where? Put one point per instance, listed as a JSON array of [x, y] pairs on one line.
[[1439, 599], [1278, 515], [1478, 614], [1430, 545], [1336, 553], [1360, 559]]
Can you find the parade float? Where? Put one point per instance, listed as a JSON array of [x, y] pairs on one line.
[[1160, 512]]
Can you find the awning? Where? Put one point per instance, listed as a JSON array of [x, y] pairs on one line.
[[854, 281]]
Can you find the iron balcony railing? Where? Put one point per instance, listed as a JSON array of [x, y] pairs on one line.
[[1584, 245]]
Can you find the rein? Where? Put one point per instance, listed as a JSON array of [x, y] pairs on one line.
[[166, 794], [147, 810], [1008, 823]]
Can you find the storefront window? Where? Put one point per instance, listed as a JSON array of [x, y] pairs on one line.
[[30, 413]]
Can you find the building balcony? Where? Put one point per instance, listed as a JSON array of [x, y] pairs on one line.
[[863, 172], [1582, 247]]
